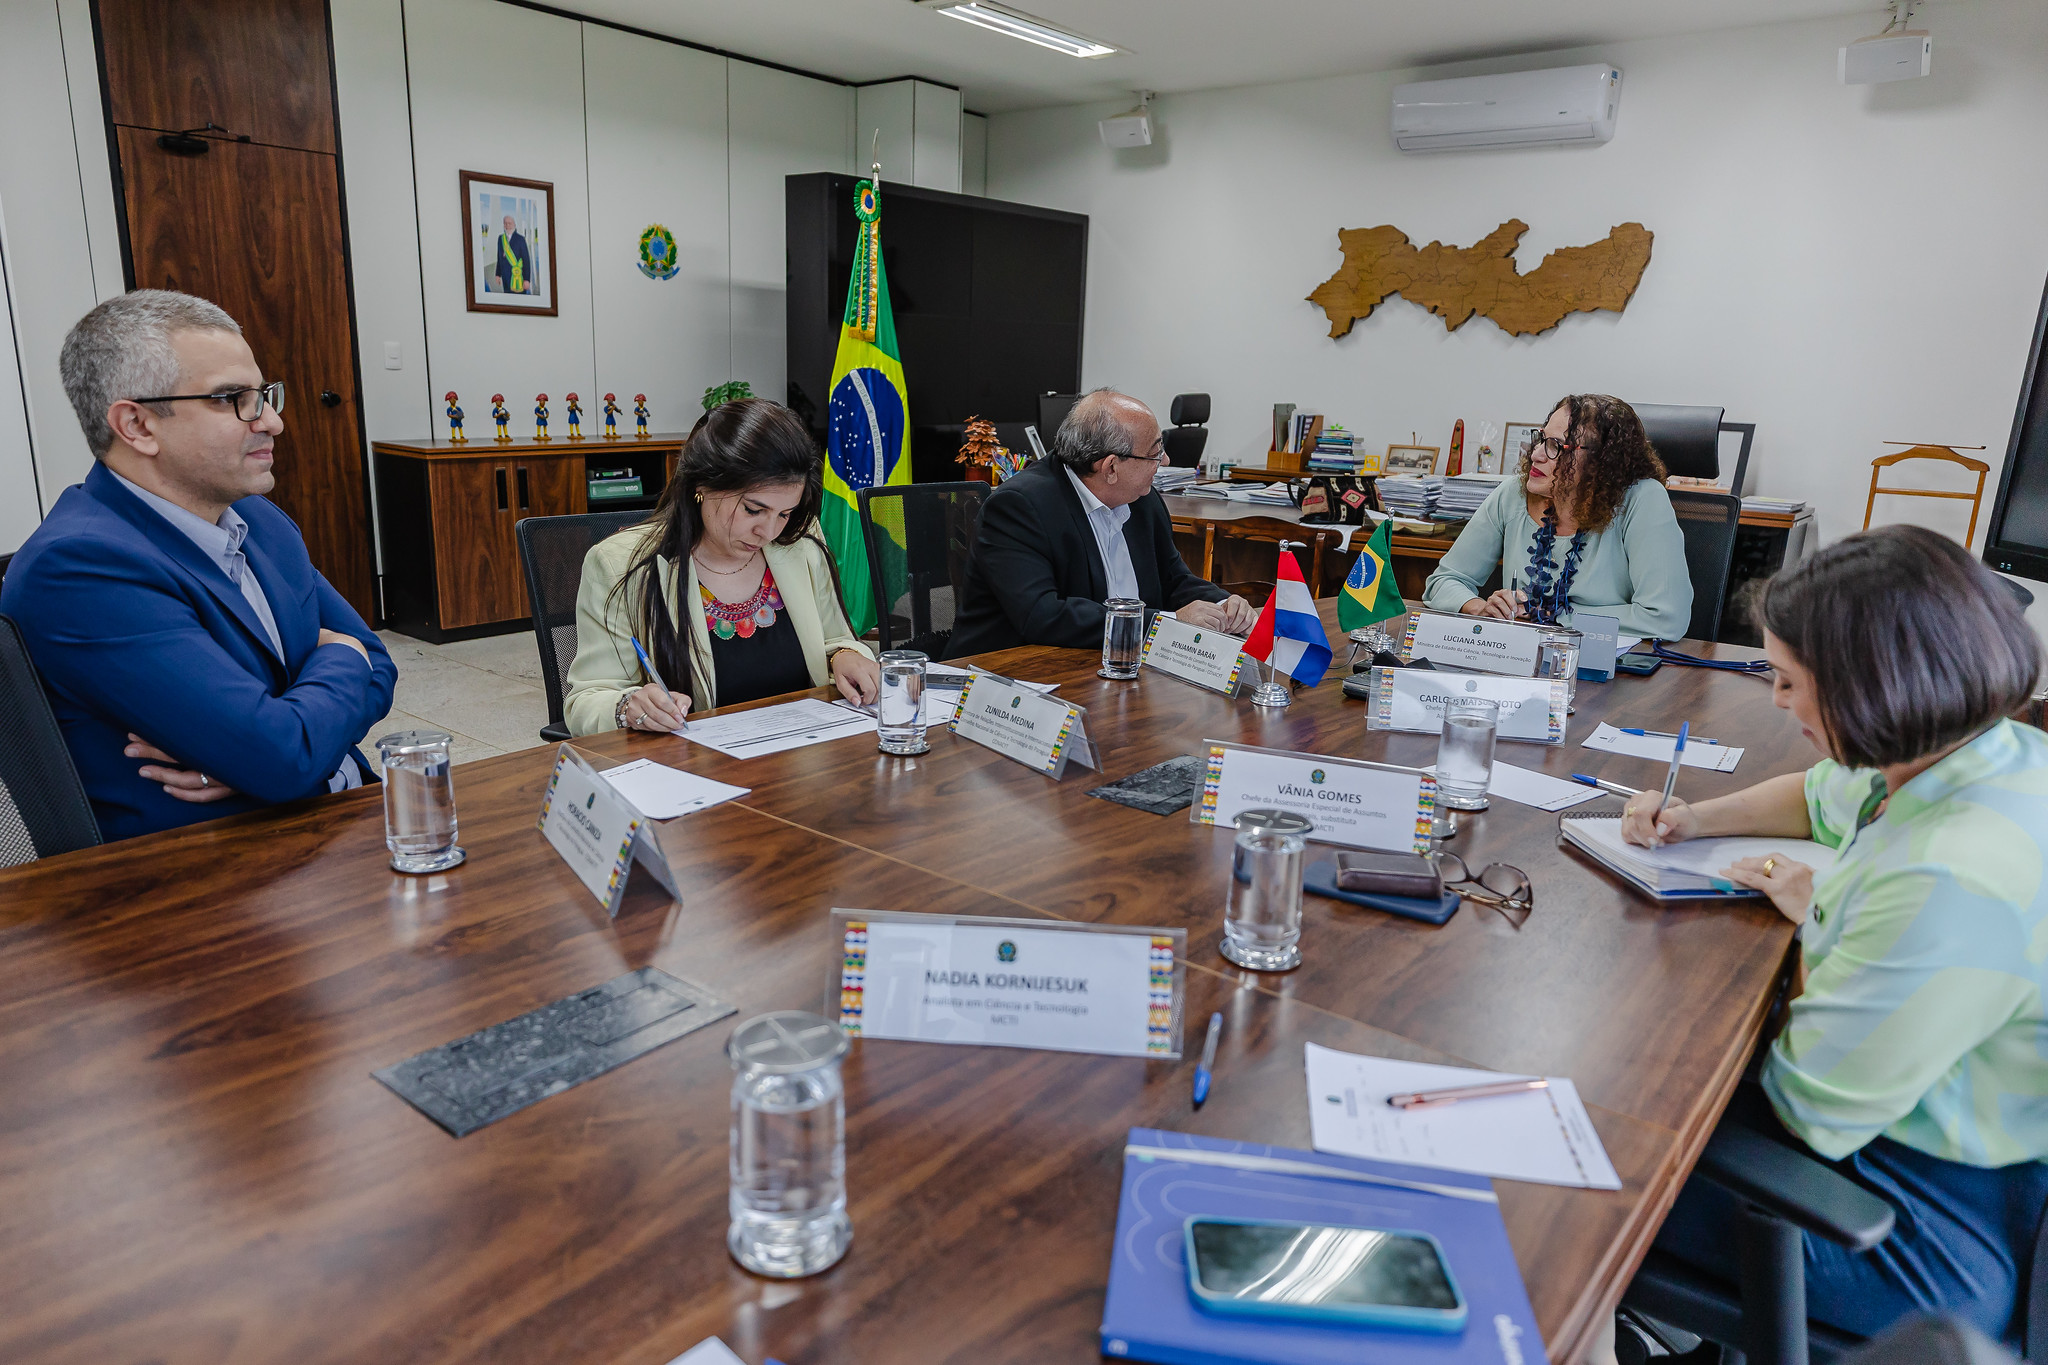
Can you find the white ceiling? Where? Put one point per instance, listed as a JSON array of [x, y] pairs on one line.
[[1175, 44]]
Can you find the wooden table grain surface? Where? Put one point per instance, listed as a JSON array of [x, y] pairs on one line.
[[198, 1165]]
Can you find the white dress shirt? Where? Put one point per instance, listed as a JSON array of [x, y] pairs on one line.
[[1108, 524], [222, 542]]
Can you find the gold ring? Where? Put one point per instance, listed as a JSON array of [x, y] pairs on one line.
[[1770, 866], [1628, 810]]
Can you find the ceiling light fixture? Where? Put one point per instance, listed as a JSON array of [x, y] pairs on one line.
[[1017, 25]]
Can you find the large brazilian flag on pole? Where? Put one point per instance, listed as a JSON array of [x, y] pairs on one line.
[[869, 414]]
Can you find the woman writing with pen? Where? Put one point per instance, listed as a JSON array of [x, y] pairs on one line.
[[726, 586], [1587, 525], [1915, 1059]]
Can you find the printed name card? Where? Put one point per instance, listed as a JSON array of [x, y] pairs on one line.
[[598, 832], [1036, 729], [1599, 647], [1351, 802], [1481, 642], [1206, 658], [1413, 699], [1011, 983]]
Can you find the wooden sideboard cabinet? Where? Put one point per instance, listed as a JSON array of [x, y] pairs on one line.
[[447, 515]]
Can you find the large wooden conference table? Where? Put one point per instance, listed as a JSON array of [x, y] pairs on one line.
[[198, 1166]]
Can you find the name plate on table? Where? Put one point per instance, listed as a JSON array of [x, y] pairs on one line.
[[1207, 658], [1010, 982], [1413, 699], [598, 832], [1351, 802], [1599, 645], [1482, 642], [1035, 729]]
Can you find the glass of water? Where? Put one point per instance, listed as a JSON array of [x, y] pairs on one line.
[[1262, 917], [419, 801], [1557, 656], [787, 1159], [1123, 638], [899, 706], [1464, 754]]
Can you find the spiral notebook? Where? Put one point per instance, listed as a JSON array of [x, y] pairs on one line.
[[1685, 871]]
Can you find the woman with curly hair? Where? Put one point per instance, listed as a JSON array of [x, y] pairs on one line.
[[1588, 525]]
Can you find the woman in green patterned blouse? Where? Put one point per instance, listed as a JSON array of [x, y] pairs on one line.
[[1915, 1058]]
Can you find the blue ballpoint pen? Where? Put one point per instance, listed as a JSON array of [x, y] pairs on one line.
[[1666, 734], [655, 678], [1677, 758], [1604, 785], [1208, 1059]]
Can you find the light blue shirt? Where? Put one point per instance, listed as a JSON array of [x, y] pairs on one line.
[[222, 543], [1108, 525]]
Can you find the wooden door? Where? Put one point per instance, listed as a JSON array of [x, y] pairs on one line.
[[553, 486], [476, 557], [253, 225]]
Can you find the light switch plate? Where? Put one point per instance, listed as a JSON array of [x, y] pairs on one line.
[[391, 360]]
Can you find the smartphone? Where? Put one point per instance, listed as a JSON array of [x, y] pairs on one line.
[[1321, 1272], [1642, 665]]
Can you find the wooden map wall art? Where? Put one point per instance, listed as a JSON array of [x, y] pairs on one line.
[[1456, 282]]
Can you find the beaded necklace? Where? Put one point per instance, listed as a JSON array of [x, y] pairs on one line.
[[742, 619], [1547, 601]]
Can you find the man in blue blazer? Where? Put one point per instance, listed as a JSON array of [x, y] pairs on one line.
[[197, 661]]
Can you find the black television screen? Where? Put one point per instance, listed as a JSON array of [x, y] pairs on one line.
[[2017, 541], [987, 298]]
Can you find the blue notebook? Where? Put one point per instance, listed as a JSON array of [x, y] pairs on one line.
[[1169, 1177]]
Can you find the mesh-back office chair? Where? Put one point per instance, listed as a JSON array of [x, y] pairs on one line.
[[43, 809], [551, 551], [919, 537], [1189, 434], [1790, 1195], [1709, 522]]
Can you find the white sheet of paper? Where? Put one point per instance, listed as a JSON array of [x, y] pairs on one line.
[[771, 729], [1624, 643], [660, 792], [1540, 790], [1544, 1136], [710, 1351], [1715, 758]]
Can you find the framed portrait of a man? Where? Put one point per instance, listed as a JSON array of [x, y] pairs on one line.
[[508, 229]]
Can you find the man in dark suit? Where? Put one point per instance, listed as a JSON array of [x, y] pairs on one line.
[[1071, 532], [197, 662]]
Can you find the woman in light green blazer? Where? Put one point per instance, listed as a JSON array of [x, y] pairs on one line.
[[1587, 525], [727, 586]]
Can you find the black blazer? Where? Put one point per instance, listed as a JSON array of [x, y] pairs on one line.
[[1036, 576]]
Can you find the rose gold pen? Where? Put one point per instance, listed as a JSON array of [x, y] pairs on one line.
[[1425, 1099]]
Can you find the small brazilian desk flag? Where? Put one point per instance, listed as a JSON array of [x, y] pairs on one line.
[[1369, 593], [869, 408]]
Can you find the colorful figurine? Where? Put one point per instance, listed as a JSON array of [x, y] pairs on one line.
[[575, 416], [611, 417], [455, 436], [501, 417], [540, 418], [640, 415]]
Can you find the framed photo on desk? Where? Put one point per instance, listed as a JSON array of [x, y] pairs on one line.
[[1409, 460], [508, 230], [1517, 435]]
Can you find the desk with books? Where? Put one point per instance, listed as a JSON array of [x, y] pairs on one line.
[[201, 1156]]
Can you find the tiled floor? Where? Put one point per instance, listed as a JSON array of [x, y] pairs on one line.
[[485, 693]]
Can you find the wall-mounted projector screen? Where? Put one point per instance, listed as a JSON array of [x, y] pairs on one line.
[[2017, 542]]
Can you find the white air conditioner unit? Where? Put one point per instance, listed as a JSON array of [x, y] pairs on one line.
[[1523, 108]]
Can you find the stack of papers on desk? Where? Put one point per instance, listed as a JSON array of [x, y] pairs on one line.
[[1539, 1135], [772, 729], [1461, 495], [660, 792], [1699, 753], [1272, 495], [1757, 503], [1693, 867], [1414, 498], [1173, 478]]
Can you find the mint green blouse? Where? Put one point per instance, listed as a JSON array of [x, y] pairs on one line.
[[1632, 569], [1926, 960]]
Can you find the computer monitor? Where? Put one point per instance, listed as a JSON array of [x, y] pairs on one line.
[[2017, 540]]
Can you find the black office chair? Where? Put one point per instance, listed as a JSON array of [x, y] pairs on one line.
[[919, 538], [1789, 1195], [1687, 438], [1189, 434], [43, 809], [1709, 522], [551, 551], [1052, 410]]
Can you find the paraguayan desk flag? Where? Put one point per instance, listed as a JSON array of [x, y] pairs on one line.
[[1289, 634]]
